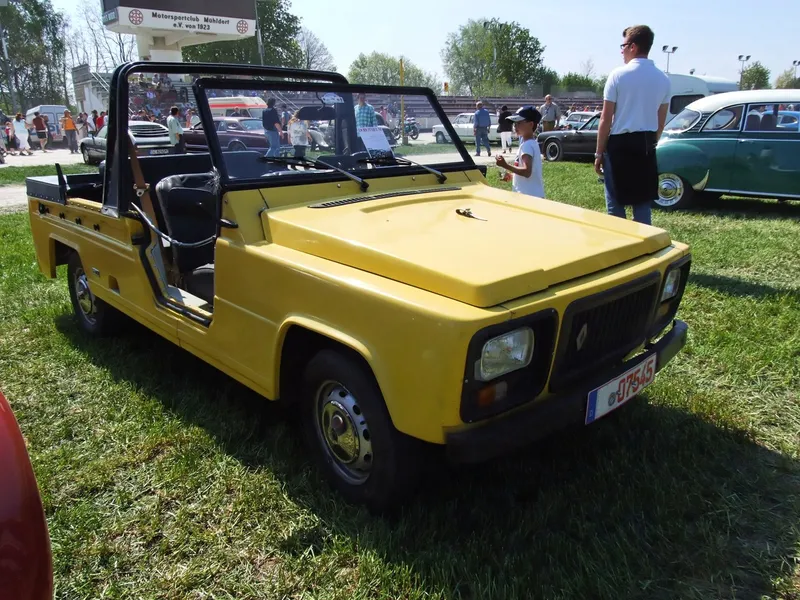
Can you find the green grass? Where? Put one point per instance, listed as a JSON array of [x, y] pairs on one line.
[[162, 478], [17, 175]]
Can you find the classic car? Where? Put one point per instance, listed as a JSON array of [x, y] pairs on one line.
[[151, 139], [788, 120], [462, 125], [731, 143], [236, 134], [576, 119], [555, 145], [26, 563], [392, 305], [327, 131]]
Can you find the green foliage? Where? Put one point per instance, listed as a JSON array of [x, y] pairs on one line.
[[382, 69], [37, 51], [470, 62], [575, 82], [755, 77], [787, 80], [279, 31]]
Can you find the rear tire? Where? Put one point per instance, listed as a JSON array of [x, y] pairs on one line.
[[440, 137], [674, 192], [351, 435], [237, 146], [552, 150], [94, 316], [86, 157]]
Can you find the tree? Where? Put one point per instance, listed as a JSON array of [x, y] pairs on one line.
[[574, 82], [755, 77], [90, 43], [315, 54], [279, 29], [382, 69], [484, 55], [549, 79], [36, 53], [787, 80], [587, 67]]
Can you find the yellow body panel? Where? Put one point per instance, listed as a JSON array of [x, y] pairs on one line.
[[404, 281]]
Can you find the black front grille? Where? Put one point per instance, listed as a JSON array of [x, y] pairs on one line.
[[601, 329]]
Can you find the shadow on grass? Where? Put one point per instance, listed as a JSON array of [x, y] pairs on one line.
[[746, 208], [653, 502], [738, 287]]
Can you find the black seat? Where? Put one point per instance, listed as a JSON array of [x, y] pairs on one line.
[[768, 122], [188, 204], [752, 123]]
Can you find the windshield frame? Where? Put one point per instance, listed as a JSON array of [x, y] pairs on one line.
[[215, 149], [116, 198]]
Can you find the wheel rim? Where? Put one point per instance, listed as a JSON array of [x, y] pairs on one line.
[[440, 137], [237, 147], [84, 295], [552, 151], [343, 432], [85, 154], [670, 189]]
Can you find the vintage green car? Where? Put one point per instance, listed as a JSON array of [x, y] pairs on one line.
[[740, 143]]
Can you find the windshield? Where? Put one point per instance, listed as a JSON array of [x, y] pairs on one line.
[[683, 120], [250, 124], [333, 124]]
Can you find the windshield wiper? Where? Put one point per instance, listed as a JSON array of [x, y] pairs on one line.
[[317, 164], [399, 160]]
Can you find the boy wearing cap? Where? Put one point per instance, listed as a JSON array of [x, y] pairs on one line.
[[527, 167]]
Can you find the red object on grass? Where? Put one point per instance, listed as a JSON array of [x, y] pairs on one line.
[[26, 563]]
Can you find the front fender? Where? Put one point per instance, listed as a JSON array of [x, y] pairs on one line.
[[685, 160]]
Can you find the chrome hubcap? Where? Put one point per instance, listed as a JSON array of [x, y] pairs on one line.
[[342, 429], [552, 151], [670, 189], [84, 296]]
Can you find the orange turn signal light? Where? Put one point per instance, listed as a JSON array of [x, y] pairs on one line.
[[492, 393]]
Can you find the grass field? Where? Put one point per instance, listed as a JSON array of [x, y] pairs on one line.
[[17, 175], [162, 478]]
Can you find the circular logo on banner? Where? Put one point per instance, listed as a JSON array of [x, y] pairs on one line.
[[241, 26], [136, 17]]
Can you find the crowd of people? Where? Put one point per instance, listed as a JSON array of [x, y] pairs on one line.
[[16, 136]]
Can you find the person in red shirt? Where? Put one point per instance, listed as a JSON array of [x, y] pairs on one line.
[[41, 130], [101, 120]]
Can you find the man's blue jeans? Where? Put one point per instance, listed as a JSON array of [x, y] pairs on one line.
[[641, 212], [482, 136], [274, 139]]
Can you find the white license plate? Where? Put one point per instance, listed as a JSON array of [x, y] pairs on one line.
[[160, 151], [619, 390]]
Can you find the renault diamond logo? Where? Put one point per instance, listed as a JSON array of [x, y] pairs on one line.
[[582, 334]]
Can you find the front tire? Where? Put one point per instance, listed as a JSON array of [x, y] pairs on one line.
[[552, 151], [86, 157], [414, 133], [237, 146], [674, 192], [440, 137], [94, 316], [351, 435]]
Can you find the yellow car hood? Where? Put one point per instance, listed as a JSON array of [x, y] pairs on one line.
[[515, 245]]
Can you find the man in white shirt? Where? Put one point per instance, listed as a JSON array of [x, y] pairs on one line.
[[175, 131], [635, 102]]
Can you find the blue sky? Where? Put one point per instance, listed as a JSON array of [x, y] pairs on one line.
[[710, 34]]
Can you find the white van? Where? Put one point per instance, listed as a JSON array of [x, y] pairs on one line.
[[685, 89], [54, 113], [248, 106]]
